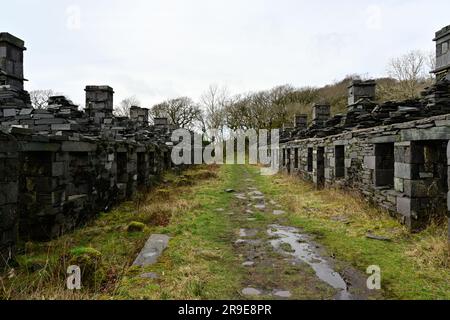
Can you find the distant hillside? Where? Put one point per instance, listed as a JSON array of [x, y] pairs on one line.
[[335, 94]]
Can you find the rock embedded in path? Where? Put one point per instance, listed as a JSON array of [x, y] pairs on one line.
[[260, 206], [279, 212], [251, 292], [248, 233], [283, 294], [152, 250], [248, 264], [256, 194], [241, 196]]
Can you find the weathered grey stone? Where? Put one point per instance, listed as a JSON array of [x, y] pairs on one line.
[[251, 292], [404, 206], [404, 170], [369, 162], [399, 185], [153, 249], [436, 133], [69, 146]]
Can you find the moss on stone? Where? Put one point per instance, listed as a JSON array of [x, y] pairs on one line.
[[89, 260], [136, 227]]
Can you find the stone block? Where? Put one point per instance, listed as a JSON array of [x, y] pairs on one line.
[[420, 188], [404, 206], [399, 185], [152, 250], [39, 146], [406, 171], [332, 162], [448, 202], [448, 154], [442, 123], [369, 162], [348, 163], [8, 216], [435, 133], [384, 139], [328, 174], [75, 146], [10, 112], [58, 169]]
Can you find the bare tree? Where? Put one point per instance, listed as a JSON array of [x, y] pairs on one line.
[[182, 112], [409, 71], [214, 102], [39, 98], [123, 109]]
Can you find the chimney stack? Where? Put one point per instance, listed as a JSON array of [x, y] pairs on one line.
[[321, 114], [301, 121], [359, 89]]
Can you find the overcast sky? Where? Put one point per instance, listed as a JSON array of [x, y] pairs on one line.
[[159, 49]]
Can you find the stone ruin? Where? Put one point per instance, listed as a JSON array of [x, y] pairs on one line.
[[61, 166], [396, 153]]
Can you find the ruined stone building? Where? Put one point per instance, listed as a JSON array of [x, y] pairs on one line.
[[61, 166], [396, 154]]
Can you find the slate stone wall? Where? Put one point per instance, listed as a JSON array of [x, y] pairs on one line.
[[8, 196], [400, 167]]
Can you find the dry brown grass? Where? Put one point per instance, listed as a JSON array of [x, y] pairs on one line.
[[431, 249], [305, 199]]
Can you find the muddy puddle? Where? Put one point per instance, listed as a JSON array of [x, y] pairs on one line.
[[290, 241]]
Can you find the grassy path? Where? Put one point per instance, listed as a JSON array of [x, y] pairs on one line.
[[206, 259], [221, 248], [246, 243]]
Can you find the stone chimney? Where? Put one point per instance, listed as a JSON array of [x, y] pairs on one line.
[[139, 115], [301, 121], [11, 61], [161, 122], [359, 89], [442, 40], [99, 102], [321, 114]]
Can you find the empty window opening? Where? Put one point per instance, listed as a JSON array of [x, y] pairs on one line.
[[141, 168], [296, 158], [384, 165], [340, 162], [310, 159], [80, 169], [431, 157], [167, 160], [151, 162], [321, 167], [122, 172]]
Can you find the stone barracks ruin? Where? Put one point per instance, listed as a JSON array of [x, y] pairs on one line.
[[396, 154], [61, 166]]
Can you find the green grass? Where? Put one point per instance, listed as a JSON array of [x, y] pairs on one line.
[[413, 266], [201, 262]]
